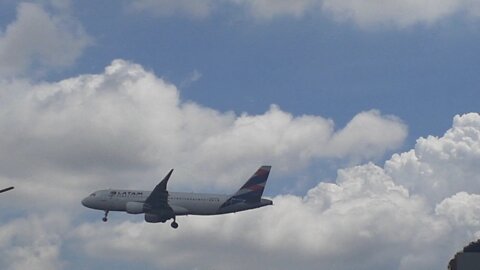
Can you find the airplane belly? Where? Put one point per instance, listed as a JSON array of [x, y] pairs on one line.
[[201, 208], [179, 211], [117, 205]]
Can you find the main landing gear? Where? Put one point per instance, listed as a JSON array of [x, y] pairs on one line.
[[174, 224], [104, 219]]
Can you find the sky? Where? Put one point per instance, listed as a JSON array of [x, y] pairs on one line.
[[366, 110]]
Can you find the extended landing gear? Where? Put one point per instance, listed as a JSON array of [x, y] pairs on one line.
[[174, 224], [104, 219]]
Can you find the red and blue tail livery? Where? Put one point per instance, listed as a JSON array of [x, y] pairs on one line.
[[160, 205], [252, 190]]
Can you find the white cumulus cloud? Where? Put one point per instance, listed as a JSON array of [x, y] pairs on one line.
[[363, 221], [125, 127], [269, 9], [400, 13], [192, 8], [462, 208], [33, 242], [439, 167], [364, 13], [126, 120], [37, 41], [366, 219]]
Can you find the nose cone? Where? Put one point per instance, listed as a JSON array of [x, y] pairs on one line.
[[85, 202]]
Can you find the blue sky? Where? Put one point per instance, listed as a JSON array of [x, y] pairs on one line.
[[368, 114], [425, 74]]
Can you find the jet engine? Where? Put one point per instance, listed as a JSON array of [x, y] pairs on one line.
[[155, 218], [135, 208]]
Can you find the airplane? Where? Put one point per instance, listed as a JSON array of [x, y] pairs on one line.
[[6, 189], [161, 205]]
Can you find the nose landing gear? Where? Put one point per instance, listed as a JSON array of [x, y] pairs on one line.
[[104, 219]]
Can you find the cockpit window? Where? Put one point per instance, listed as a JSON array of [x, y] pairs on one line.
[[113, 192], [93, 195]]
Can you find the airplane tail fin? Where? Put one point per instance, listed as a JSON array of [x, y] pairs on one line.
[[252, 190]]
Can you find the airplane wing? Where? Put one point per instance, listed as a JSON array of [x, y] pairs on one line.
[[157, 202], [6, 189]]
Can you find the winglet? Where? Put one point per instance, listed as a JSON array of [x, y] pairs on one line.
[[163, 184]]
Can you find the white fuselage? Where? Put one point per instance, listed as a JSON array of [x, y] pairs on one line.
[[182, 203]]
